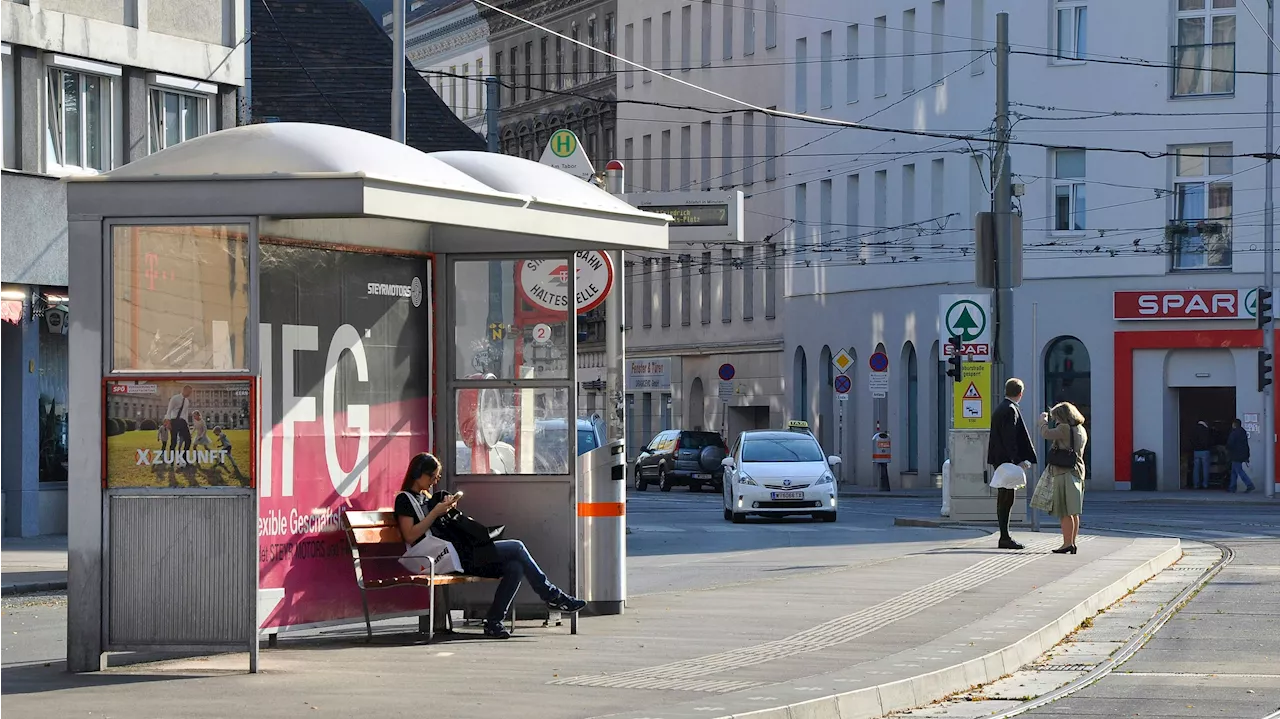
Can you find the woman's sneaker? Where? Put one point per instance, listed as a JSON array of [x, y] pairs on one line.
[[496, 630], [567, 604]]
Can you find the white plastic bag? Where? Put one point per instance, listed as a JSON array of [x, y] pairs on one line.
[[1009, 476], [946, 488]]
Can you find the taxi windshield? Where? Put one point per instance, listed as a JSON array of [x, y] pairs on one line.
[[781, 449]]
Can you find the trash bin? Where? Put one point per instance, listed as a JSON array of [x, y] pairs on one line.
[[602, 530], [1142, 471]]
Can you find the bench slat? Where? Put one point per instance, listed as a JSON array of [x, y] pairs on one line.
[[377, 535], [425, 579], [376, 518]]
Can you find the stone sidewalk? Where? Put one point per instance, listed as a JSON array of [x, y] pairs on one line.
[[33, 564], [848, 632]]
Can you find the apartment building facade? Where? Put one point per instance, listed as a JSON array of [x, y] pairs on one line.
[[448, 42], [703, 305], [1139, 268], [87, 87]]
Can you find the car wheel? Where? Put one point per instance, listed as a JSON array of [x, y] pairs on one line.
[[727, 514], [737, 517], [664, 482], [825, 516], [641, 484]]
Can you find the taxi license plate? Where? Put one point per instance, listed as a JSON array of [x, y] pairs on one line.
[[702, 476], [788, 495]]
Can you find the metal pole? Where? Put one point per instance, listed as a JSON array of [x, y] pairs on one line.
[[615, 343], [1035, 384], [492, 103], [1268, 262], [397, 71], [1003, 210]]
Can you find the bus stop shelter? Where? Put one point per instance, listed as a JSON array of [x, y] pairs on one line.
[[289, 313]]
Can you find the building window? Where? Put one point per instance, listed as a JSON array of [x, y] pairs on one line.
[[880, 208], [770, 24], [706, 33], [1069, 36], [646, 48], [528, 70], [610, 40], [851, 64], [1200, 233], [497, 69], [10, 112], [705, 299], [825, 236], [575, 55], [726, 143], [936, 40], [591, 40], [465, 108], [879, 42], [852, 210], [80, 127], [1204, 60], [666, 42], [559, 63], [727, 22], [802, 74], [629, 51], [1067, 378], [748, 283], [544, 64], [909, 232], [728, 266], [665, 180], [802, 220], [911, 417], [801, 374], [177, 117], [977, 36], [1068, 191], [481, 90], [646, 169], [824, 70], [706, 155], [770, 281], [686, 168], [749, 161], [515, 74], [686, 289], [686, 38], [771, 146], [908, 51], [749, 27], [666, 291]]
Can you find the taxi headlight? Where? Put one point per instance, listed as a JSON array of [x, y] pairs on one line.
[[826, 478], [744, 479]]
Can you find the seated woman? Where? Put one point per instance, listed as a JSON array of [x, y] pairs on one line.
[[511, 560]]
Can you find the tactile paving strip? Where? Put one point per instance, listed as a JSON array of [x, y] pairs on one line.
[[683, 675]]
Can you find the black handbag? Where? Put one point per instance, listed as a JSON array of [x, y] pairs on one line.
[[1062, 456], [466, 533]]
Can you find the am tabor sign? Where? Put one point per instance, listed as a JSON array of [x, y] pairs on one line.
[[1186, 304]]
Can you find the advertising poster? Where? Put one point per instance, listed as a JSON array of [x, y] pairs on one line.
[[345, 347], [179, 433]]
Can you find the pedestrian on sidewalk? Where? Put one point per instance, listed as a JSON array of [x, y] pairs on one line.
[[1201, 445], [505, 559], [1064, 467], [1010, 443], [1238, 453]]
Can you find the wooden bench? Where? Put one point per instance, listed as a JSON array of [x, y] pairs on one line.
[[369, 532]]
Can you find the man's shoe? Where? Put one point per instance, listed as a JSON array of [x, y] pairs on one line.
[[1249, 489], [1008, 543], [567, 604], [496, 630]]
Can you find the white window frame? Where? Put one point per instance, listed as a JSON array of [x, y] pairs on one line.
[[1208, 13], [748, 27], [825, 79], [1075, 188], [1078, 12], [726, 22], [1210, 180], [203, 92], [12, 155], [111, 113]]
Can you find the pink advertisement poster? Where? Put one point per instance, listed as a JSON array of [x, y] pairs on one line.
[[346, 348]]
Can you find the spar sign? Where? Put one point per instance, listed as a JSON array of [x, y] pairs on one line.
[[545, 283], [966, 317], [1186, 304]]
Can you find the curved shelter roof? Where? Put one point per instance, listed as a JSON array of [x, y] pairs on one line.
[[369, 190]]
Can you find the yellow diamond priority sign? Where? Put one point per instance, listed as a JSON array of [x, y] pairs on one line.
[[842, 361]]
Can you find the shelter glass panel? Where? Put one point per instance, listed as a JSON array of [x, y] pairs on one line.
[[180, 297], [512, 319], [513, 431]]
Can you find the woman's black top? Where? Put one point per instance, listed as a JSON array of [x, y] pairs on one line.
[[466, 550], [405, 502]]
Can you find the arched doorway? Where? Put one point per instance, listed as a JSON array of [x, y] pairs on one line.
[[800, 375], [1067, 379], [826, 401], [911, 408], [695, 411], [942, 400]]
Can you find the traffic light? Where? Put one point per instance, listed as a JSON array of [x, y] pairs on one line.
[[954, 360], [1262, 313], [1264, 370]]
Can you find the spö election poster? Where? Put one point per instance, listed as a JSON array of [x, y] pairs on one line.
[[179, 433]]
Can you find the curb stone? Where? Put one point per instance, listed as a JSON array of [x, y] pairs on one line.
[[19, 588]]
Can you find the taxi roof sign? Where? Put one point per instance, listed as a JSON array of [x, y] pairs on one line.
[[798, 425]]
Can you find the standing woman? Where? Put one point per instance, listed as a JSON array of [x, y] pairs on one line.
[[1069, 438]]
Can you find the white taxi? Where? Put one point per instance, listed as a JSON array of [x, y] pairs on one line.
[[770, 472]]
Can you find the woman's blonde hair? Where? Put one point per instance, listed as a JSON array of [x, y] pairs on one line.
[[1066, 413]]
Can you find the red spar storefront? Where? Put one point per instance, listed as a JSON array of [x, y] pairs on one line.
[[1168, 306]]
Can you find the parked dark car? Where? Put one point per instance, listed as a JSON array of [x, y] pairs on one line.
[[681, 457]]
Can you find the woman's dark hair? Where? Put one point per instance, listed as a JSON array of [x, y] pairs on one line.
[[422, 463]]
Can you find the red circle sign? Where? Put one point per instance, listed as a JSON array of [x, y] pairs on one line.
[[879, 362], [545, 283]]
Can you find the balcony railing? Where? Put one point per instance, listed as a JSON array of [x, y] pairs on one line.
[[1203, 69], [1199, 244]]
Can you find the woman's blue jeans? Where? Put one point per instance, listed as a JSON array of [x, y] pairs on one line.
[[515, 563]]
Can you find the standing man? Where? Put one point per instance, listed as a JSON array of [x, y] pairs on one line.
[[1238, 453], [1201, 443], [179, 431], [1010, 443]]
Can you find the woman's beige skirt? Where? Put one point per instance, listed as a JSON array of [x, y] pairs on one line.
[[1068, 495]]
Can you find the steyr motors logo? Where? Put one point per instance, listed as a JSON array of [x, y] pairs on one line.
[[412, 290]]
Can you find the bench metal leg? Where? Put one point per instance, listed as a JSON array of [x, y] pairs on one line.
[[272, 640], [573, 623], [368, 625], [431, 614]]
